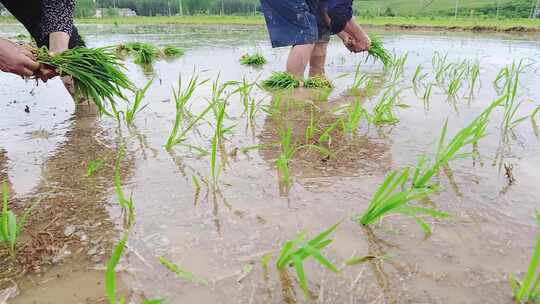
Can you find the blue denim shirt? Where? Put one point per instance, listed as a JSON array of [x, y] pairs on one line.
[[340, 12]]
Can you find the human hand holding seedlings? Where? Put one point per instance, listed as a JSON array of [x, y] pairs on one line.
[[359, 40], [16, 59], [347, 40], [58, 43]]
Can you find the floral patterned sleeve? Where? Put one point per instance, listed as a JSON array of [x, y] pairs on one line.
[[58, 16]]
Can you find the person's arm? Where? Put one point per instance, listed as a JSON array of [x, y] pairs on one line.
[[360, 39], [16, 59], [57, 25]]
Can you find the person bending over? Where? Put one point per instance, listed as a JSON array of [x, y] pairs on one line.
[[50, 23], [307, 25]]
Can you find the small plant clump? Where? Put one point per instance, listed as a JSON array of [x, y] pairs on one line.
[[256, 60], [378, 52], [281, 81], [171, 51], [97, 73], [318, 82]]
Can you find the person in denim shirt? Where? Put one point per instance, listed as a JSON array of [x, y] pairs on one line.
[[307, 25]]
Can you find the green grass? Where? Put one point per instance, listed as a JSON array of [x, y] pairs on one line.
[[172, 51], [528, 291], [296, 251], [11, 226], [181, 272], [459, 23], [281, 81], [256, 60], [97, 72]]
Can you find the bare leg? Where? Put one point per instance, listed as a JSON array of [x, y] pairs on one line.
[[318, 59], [298, 59]]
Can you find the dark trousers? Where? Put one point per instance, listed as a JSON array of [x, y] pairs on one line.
[[30, 14]]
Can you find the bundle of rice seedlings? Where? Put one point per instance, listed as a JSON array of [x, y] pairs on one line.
[[318, 82], [146, 54], [172, 51], [97, 73], [378, 52], [256, 59], [281, 81]]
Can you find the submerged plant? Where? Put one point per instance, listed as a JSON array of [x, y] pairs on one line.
[[318, 82], [256, 60], [296, 251], [378, 52], [182, 273], [135, 108], [97, 73], [11, 226], [93, 167], [172, 51], [528, 291], [281, 81], [394, 196]]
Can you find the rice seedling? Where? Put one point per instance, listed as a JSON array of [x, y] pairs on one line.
[[440, 66], [135, 108], [470, 134], [93, 167], [110, 273], [394, 196], [511, 106], [256, 60], [359, 79], [383, 111], [128, 208], [378, 52], [418, 76], [288, 150], [216, 140], [296, 251], [181, 98], [326, 137], [355, 112], [146, 54], [456, 80], [249, 103], [398, 66], [171, 51], [11, 226], [528, 291], [97, 73], [474, 74], [280, 81], [318, 82], [181, 272]]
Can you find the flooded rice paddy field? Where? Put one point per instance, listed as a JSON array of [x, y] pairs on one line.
[[216, 232]]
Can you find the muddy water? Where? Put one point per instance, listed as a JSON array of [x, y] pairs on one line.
[[217, 232]]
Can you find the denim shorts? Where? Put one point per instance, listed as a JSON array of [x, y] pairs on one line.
[[295, 22]]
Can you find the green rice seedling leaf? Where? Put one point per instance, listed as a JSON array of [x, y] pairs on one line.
[[256, 60], [172, 51], [135, 108], [182, 273], [125, 203], [383, 111], [98, 74], [145, 54], [93, 167], [110, 274], [280, 81], [318, 82], [153, 301], [378, 52], [266, 260], [531, 280], [359, 79], [296, 251]]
